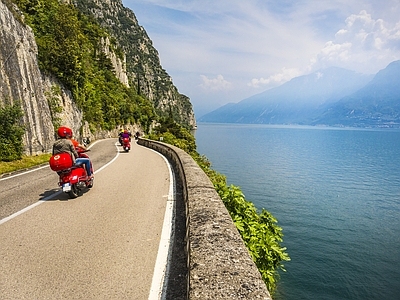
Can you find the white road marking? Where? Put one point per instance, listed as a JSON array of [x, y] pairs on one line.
[[33, 170], [160, 273], [23, 173], [2, 221]]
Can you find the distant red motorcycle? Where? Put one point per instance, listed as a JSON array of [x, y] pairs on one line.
[[126, 144], [73, 178]]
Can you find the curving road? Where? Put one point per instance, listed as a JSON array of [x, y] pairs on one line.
[[101, 245]]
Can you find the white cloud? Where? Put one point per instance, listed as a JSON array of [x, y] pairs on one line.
[[276, 79], [215, 84], [262, 44], [364, 44]]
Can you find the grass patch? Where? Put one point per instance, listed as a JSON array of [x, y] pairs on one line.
[[24, 163]]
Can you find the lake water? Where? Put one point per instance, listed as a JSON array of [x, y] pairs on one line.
[[335, 193]]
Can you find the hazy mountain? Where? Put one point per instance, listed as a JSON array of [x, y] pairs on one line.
[[299, 101], [375, 105]]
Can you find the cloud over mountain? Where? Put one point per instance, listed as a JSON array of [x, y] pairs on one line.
[[332, 96], [257, 45]]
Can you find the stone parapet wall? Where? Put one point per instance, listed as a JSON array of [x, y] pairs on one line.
[[219, 265]]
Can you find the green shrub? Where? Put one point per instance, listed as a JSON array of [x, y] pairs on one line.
[[69, 47], [11, 132], [174, 134], [259, 229]]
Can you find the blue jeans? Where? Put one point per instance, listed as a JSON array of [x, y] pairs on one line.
[[86, 161]]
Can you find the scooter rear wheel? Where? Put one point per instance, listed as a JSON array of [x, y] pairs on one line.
[[74, 192]]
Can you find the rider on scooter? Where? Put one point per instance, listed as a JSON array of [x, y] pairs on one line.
[[120, 136], [65, 143], [126, 134]]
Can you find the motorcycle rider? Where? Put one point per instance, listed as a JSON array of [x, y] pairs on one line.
[[137, 134], [65, 143], [120, 136], [126, 134]]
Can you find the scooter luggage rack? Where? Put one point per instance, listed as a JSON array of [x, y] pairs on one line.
[[68, 170]]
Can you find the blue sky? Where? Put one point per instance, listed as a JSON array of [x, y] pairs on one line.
[[220, 51]]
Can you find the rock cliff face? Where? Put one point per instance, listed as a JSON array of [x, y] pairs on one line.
[[143, 65], [118, 64], [21, 80]]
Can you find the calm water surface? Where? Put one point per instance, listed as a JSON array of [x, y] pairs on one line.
[[335, 193]]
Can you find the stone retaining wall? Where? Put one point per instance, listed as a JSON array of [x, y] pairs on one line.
[[219, 265]]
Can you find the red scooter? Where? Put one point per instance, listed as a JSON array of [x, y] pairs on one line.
[[126, 144], [73, 178]]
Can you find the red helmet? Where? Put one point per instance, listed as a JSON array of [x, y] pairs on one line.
[[64, 131], [125, 131]]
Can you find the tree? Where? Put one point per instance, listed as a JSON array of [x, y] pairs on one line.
[[11, 132], [70, 47]]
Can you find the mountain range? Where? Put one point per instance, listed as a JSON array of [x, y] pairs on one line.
[[330, 97]]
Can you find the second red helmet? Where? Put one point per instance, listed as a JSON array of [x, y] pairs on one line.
[[63, 131]]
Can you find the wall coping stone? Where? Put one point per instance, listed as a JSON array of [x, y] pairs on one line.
[[219, 264]]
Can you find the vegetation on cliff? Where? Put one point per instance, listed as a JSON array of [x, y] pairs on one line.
[[69, 44], [11, 147], [259, 229], [142, 60]]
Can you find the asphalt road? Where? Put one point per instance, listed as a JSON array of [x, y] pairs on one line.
[[101, 245]]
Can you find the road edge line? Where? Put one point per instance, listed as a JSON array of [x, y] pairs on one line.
[[161, 267], [34, 168]]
